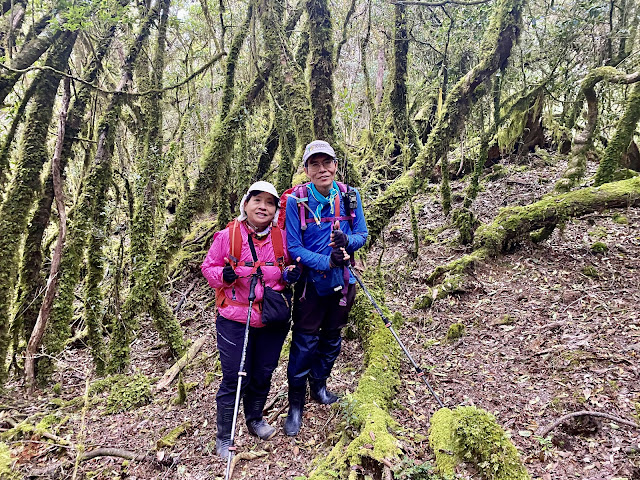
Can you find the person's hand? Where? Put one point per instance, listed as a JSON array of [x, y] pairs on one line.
[[294, 272], [339, 257], [339, 239], [229, 275]]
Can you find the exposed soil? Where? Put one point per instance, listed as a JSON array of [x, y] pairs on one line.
[[543, 337]]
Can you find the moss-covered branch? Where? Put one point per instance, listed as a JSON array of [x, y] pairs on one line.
[[501, 34], [622, 137], [583, 142]]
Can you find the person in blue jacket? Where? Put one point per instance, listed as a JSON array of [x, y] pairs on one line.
[[325, 241]]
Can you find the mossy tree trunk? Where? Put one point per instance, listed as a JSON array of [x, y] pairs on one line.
[[622, 137], [144, 296], [89, 210], [321, 69], [5, 149], [228, 92], [26, 184], [501, 34], [583, 142], [31, 280]]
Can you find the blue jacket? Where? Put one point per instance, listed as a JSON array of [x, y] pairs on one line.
[[312, 245]]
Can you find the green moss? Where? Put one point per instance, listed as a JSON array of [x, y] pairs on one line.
[[590, 271], [182, 392], [599, 247], [451, 284], [497, 171], [209, 378], [620, 219], [456, 331], [506, 319], [471, 435], [6, 471], [441, 440], [57, 388], [127, 392], [170, 439]]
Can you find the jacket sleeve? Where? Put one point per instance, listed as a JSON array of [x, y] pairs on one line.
[[214, 262], [296, 248], [359, 232]]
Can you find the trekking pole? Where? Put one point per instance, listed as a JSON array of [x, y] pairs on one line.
[[387, 324], [241, 372]]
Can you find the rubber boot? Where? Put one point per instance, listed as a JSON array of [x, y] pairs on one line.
[[318, 392], [255, 423], [223, 433], [296, 406]]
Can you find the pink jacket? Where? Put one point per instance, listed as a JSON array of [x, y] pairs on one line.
[[272, 275]]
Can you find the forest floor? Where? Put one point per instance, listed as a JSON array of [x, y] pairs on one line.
[[544, 336]]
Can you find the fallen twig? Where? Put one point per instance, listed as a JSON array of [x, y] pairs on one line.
[[112, 452], [184, 296], [245, 456], [545, 431], [170, 374]]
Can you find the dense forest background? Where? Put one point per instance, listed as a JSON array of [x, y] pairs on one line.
[[473, 130]]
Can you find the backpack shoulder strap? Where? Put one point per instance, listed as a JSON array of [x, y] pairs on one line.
[[235, 240], [278, 245]]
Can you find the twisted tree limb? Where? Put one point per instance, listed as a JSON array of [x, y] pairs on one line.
[[545, 431], [501, 34]]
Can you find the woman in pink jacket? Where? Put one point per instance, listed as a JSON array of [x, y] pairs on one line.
[[255, 226]]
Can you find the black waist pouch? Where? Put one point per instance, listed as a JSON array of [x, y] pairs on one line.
[[276, 306]]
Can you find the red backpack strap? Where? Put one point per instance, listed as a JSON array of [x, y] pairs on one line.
[[235, 241], [278, 245]]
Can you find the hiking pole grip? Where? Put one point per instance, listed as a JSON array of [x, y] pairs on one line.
[[387, 323]]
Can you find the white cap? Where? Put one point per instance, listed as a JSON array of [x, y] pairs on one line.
[[260, 186], [317, 146]]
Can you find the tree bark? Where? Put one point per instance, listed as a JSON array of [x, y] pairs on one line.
[[90, 205]]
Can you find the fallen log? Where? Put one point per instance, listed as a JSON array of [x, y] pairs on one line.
[[512, 224], [368, 406], [171, 374]]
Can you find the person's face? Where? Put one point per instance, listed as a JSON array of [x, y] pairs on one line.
[[260, 210], [321, 170]]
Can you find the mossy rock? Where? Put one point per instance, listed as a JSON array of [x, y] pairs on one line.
[[497, 171], [590, 271], [599, 247], [473, 436], [456, 331]]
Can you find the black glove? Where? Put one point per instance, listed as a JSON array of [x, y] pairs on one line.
[[337, 258], [228, 274], [293, 275], [339, 239]]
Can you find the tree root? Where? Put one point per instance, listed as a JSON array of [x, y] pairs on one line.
[[245, 456], [545, 431], [113, 452]]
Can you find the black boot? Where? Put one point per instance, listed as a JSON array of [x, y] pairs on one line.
[[319, 393], [296, 405], [256, 425], [223, 433]]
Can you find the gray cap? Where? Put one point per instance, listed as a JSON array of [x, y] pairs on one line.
[[317, 146]]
